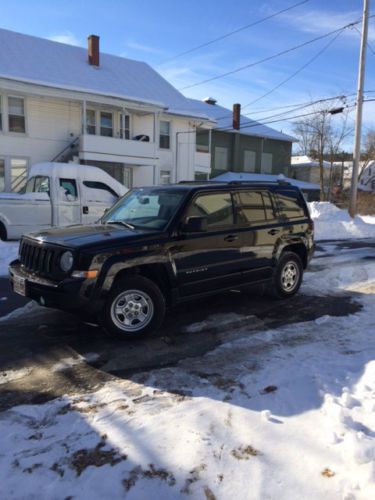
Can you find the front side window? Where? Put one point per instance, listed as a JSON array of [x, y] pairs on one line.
[[91, 122], [165, 139], [106, 124], [70, 188], [2, 174], [18, 174], [37, 184], [146, 208], [16, 114], [216, 208]]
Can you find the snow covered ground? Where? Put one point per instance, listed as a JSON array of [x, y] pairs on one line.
[[8, 252], [286, 413]]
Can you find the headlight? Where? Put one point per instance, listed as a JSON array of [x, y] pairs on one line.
[[66, 261]]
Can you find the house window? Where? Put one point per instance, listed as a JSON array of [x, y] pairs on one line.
[[202, 141], [106, 124], [165, 139], [127, 177], [221, 158], [91, 122], [124, 126], [165, 177], [266, 167], [16, 114], [18, 174], [200, 176], [2, 174], [249, 159], [1, 115]]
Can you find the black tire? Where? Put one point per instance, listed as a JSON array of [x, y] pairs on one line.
[[3, 232], [287, 277], [135, 307]]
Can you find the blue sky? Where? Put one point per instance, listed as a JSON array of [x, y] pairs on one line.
[[156, 31]]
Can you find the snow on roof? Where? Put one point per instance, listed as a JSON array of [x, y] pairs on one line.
[[37, 60], [306, 161], [223, 117], [247, 176]]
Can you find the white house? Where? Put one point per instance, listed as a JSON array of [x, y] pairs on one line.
[[367, 177], [64, 103], [306, 169]]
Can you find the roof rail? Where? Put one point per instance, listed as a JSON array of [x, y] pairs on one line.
[[278, 181]]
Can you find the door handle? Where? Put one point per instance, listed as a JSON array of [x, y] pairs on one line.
[[85, 210], [231, 237], [273, 231]]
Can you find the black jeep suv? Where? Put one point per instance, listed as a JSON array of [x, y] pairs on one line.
[[162, 245]]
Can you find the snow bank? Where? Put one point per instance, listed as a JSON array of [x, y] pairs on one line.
[[333, 223], [8, 252]]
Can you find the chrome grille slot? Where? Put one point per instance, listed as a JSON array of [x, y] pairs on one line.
[[37, 258]]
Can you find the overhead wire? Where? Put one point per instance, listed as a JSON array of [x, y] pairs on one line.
[[274, 56], [231, 33]]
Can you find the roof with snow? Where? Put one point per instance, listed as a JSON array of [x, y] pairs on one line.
[[306, 161], [37, 60], [247, 176], [223, 116]]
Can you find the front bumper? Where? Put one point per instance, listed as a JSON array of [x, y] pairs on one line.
[[71, 294]]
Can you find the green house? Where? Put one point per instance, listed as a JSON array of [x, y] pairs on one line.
[[253, 148]]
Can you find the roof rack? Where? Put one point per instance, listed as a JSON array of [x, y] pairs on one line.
[[278, 181]]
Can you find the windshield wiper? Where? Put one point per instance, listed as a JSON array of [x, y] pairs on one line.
[[121, 222]]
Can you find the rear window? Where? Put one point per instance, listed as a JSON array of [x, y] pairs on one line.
[[290, 204]]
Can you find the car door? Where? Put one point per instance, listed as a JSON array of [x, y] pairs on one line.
[[259, 231], [68, 206], [208, 260]]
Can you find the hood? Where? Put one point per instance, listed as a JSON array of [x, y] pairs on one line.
[[79, 236]]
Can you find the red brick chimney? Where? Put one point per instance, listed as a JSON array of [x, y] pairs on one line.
[[93, 50], [236, 116]]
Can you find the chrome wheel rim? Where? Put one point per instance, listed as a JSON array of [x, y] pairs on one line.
[[289, 276], [131, 311]]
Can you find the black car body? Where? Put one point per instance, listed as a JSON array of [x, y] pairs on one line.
[[183, 241]]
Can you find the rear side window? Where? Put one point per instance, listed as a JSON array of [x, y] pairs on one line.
[[101, 186], [253, 207], [216, 208], [290, 204], [70, 187]]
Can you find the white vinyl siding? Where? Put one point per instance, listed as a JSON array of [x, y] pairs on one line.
[[221, 158], [249, 160], [266, 167]]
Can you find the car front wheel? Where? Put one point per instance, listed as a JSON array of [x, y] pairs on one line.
[[288, 275], [135, 307]]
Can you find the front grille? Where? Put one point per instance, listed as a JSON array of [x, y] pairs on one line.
[[38, 258]]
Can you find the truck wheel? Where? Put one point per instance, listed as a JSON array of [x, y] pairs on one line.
[[288, 275], [3, 232], [135, 307]]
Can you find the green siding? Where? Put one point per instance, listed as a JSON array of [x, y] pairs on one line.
[[237, 144]]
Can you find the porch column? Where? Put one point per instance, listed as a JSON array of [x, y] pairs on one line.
[[83, 117]]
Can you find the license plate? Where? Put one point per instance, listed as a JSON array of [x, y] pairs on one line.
[[19, 285]]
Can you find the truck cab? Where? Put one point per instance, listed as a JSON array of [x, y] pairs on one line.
[[57, 194]]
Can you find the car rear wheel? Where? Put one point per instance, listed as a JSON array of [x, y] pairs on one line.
[[288, 275], [135, 307]]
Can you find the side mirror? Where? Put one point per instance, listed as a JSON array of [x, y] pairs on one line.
[[194, 224]]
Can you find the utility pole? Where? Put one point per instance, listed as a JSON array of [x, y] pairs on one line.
[[358, 120]]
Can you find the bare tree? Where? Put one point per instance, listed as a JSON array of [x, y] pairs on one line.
[[320, 135]]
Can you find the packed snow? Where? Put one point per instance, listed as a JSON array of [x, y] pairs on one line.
[[333, 223], [286, 413], [8, 252]]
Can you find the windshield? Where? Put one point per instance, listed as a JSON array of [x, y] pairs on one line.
[[146, 208]]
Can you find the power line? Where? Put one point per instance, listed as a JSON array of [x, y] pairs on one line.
[[368, 45], [299, 70], [231, 33], [269, 58]]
